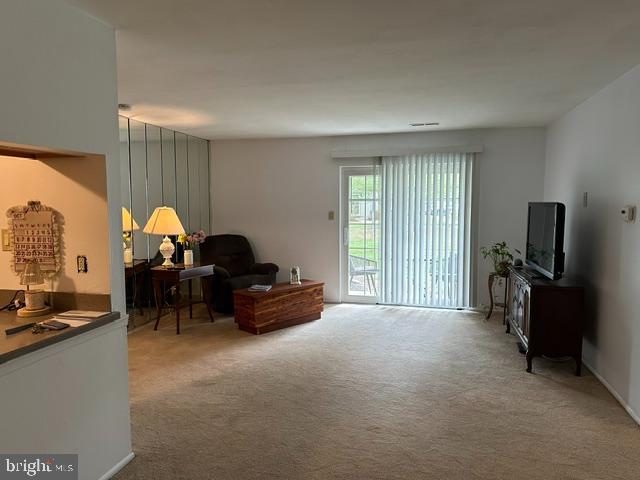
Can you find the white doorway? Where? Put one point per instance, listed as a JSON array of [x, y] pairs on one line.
[[360, 217]]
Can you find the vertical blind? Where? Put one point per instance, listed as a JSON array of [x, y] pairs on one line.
[[426, 229]]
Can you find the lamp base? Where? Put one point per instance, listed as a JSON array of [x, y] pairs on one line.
[[166, 250], [26, 312], [168, 263]]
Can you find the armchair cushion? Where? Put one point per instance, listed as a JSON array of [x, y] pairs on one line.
[[231, 252]]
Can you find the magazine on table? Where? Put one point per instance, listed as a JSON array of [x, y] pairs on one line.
[[259, 288]]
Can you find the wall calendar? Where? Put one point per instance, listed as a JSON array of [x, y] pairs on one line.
[[35, 235]]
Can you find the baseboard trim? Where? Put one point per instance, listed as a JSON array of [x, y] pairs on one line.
[[117, 467], [613, 392]]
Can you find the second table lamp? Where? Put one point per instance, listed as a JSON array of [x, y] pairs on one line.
[[165, 221]]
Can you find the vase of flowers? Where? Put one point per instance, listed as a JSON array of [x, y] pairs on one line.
[[188, 241], [501, 256]]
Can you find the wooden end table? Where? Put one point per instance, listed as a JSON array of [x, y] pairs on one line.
[[137, 270], [282, 306], [163, 277]]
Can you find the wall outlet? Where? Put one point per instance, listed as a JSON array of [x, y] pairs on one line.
[[628, 213], [585, 199], [82, 264], [6, 240]]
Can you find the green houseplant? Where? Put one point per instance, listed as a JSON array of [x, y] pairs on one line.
[[500, 255]]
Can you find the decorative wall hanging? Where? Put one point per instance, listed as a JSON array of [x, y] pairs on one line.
[[35, 234]]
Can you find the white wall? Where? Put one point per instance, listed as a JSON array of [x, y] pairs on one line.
[[595, 148], [279, 192], [58, 90]]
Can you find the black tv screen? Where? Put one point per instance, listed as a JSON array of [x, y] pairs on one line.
[[545, 237]]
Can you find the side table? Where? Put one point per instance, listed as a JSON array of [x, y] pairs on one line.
[[136, 270], [164, 277], [492, 277]]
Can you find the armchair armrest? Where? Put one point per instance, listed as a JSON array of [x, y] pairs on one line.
[[221, 273], [264, 268]]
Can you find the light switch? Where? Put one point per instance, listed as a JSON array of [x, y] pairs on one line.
[[332, 215]]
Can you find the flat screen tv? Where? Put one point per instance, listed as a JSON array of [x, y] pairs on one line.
[[545, 238]]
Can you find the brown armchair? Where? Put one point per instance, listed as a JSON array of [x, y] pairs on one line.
[[235, 268]]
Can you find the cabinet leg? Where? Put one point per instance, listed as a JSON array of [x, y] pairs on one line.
[[578, 366], [508, 327], [529, 362]]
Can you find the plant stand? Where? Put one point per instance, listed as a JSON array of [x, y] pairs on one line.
[[492, 277]]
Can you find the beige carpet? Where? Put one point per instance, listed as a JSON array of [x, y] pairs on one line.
[[367, 393]]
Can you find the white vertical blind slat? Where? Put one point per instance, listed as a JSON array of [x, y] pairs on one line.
[[430, 238], [447, 233], [457, 229], [441, 230], [449, 210], [418, 287], [416, 232]]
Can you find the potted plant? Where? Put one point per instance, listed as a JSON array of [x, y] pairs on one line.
[[188, 241], [500, 255]]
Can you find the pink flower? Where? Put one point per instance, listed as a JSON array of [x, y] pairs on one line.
[[196, 238]]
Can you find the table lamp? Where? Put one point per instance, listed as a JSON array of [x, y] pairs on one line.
[[164, 221], [34, 299], [128, 225]]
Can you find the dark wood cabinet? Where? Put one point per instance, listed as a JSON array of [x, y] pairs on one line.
[[546, 315]]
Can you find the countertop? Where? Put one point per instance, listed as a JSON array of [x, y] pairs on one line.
[[24, 342]]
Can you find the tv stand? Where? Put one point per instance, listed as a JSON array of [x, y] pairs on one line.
[[546, 315]]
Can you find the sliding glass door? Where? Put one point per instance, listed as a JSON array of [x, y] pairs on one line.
[[407, 231], [360, 234], [426, 225]]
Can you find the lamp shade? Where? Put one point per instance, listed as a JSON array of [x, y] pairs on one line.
[[128, 222], [31, 275], [164, 221]]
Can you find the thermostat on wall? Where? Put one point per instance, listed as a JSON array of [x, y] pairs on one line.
[[628, 213]]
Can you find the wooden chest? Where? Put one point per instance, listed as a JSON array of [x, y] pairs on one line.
[[283, 306]]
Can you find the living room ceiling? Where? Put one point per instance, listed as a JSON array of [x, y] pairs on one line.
[[281, 68]]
